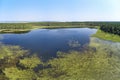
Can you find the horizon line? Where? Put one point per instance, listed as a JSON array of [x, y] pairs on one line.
[[51, 21]]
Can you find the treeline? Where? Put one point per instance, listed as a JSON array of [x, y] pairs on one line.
[[59, 23], [15, 26], [72, 23], [111, 28], [31, 25], [102, 23]]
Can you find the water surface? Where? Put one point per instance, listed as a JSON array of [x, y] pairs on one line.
[[46, 42]]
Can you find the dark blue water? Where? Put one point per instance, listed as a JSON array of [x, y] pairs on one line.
[[46, 42]]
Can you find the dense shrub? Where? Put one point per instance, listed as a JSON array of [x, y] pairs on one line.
[[111, 28]]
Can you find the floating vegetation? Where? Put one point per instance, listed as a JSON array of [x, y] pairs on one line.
[[15, 64]]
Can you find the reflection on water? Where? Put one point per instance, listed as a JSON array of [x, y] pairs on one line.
[[1, 37], [46, 42], [73, 43]]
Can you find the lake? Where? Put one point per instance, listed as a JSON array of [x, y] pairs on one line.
[[47, 42]]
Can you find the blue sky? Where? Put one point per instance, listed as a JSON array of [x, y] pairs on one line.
[[59, 10]]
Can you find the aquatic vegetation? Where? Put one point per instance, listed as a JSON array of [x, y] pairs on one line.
[[14, 73], [11, 51], [88, 65], [15, 64], [91, 64], [30, 62], [109, 46]]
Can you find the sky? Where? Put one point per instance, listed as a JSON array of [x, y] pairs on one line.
[[59, 10]]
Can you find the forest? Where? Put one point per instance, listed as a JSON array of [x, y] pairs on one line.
[[111, 28]]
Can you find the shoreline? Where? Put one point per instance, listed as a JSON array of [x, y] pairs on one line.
[[41, 27]]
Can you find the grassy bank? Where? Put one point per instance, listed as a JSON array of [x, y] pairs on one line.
[[14, 30], [107, 36]]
